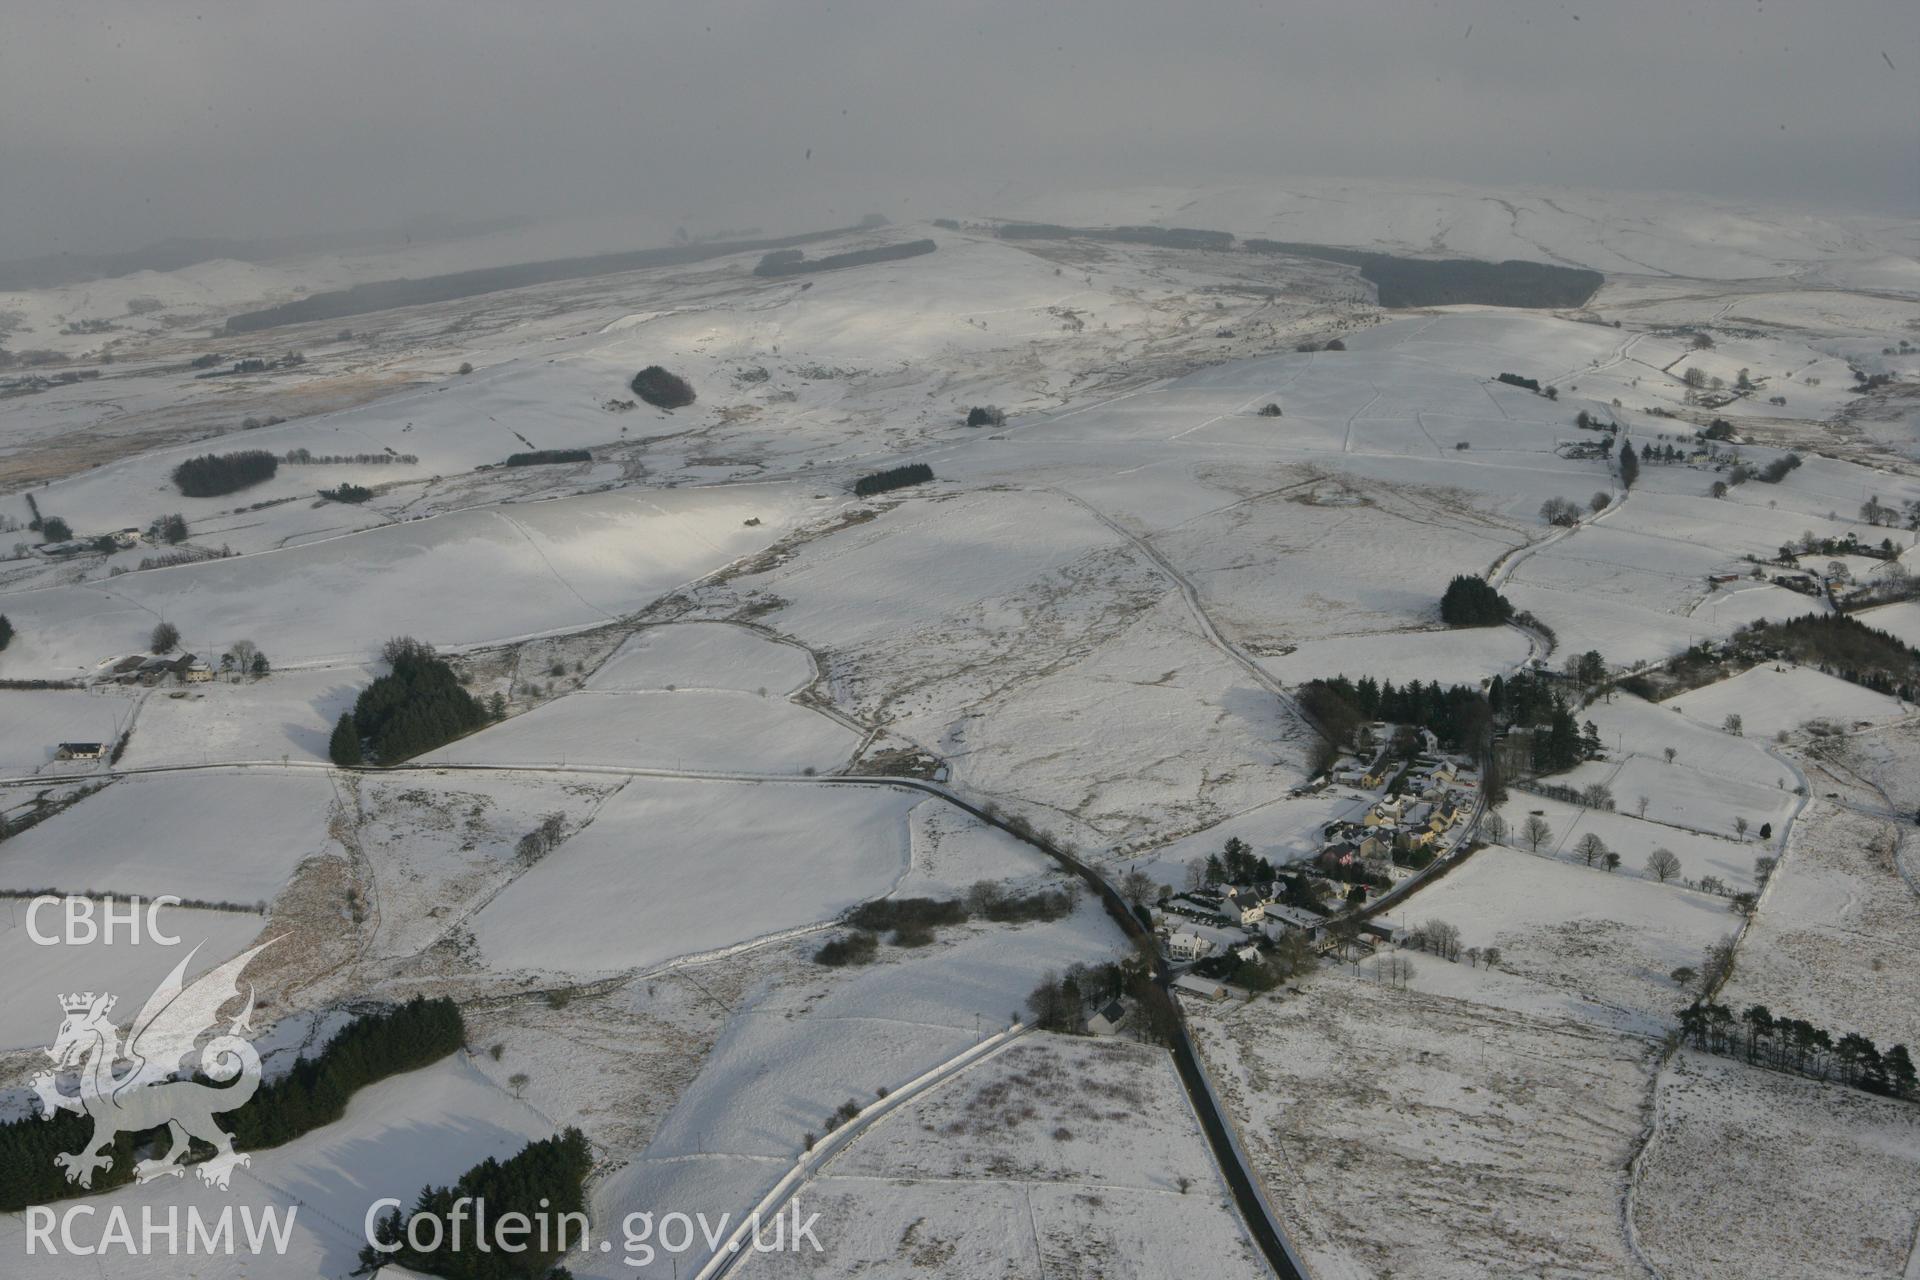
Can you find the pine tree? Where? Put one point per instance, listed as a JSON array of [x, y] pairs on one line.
[[343, 748], [1900, 1073]]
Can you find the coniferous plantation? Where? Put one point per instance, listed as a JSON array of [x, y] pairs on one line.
[[1471, 601], [892, 478], [315, 1092], [661, 388], [417, 706], [543, 1181], [212, 474]]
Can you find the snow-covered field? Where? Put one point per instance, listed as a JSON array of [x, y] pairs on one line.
[[1594, 938], [694, 730], [1059, 1156], [1633, 726], [39, 972], [38, 720], [667, 868], [1727, 858], [800, 1045], [1450, 657], [703, 657], [1901, 621], [1400, 1132], [196, 837], [287, 716], [462, 579], [1774, 700], [1753, 1172], [1682, 796], [1831, 940]]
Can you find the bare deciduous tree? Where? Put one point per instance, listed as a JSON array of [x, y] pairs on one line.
[[1536, 832], [1662, 865], [1137, 886]]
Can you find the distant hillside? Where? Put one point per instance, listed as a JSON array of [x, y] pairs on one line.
[[779, 263], [55, 269], [1440, 282], [384, 295], [1402, 282]]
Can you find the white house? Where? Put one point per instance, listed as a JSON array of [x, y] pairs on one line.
[[1246, 906], [1184, 945]]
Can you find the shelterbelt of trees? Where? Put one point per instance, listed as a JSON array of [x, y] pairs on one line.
[[315, 1092]]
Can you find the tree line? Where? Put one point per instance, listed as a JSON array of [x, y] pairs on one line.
[[1793, 1044], [308, 458], [911, 922], [315, 1092], [543, 457]]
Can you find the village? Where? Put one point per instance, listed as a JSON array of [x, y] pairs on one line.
[[1409, 807]]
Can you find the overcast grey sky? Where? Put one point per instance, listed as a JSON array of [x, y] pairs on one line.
[[123, 123]]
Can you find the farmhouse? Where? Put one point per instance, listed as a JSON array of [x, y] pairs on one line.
[[78, 751]]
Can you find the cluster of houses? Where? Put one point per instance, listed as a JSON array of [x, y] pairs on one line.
[[1421, 800], [1237, 918], [1418, 802]]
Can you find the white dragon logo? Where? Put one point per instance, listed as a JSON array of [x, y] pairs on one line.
[[156, 1088]]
